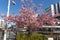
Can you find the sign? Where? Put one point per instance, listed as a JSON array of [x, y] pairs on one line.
[[50, 38]]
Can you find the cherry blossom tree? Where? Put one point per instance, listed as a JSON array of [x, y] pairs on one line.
[[28, 16]]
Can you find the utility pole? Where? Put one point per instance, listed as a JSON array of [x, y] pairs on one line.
[[6, 26]]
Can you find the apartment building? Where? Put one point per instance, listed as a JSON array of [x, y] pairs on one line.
[[54, 10], [52, 31]]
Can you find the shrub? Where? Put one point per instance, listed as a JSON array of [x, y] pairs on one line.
[[32, 36], [35, 36]]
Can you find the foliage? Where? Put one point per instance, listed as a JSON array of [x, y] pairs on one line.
[[32, 36], [36, 37]]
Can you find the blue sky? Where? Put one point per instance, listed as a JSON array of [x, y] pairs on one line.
[[14, 9]]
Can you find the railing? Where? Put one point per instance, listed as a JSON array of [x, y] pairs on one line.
[[51, 26]]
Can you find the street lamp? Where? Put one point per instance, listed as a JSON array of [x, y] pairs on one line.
[[13, 2], [5, 31]]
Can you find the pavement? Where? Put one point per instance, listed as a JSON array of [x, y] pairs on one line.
[[10, 35], [1, 35]]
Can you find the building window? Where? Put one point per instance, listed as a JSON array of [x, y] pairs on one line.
[[58, 7]]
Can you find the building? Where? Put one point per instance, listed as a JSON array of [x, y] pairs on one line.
[[1, 23], [54, 9], [52, 31]]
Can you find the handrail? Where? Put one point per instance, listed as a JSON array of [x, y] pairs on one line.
[[51, 26]]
